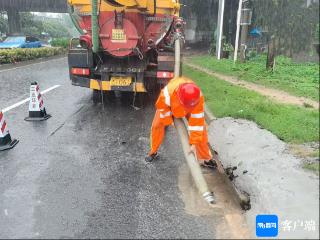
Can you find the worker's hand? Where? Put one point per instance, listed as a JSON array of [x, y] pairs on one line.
[[192, 149]]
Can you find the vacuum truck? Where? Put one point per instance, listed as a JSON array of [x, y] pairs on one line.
[[124, 45]]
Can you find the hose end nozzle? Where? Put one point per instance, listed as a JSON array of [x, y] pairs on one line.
[[208, 196]]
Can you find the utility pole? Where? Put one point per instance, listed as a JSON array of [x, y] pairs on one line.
[[220, 28], [244, 22], [238, 31]]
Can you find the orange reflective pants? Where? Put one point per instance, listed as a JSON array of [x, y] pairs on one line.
[[158, 133]]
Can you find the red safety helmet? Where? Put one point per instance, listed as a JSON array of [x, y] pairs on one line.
[[189, 95]]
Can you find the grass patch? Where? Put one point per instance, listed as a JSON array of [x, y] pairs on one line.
[[297, 79], [290, 123], [312, 167]]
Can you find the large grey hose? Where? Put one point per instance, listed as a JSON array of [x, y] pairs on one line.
[[184, 136], [193, 162], [177, 51]]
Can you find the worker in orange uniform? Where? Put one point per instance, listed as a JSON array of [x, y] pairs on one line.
[[181, 98]]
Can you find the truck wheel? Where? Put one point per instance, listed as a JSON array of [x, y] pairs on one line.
[[96, 96]]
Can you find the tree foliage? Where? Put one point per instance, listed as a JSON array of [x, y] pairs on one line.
[[291, 22], [31, 25], [204, 11], [3, 23]]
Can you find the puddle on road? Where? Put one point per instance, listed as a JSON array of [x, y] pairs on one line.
[[231, 222]]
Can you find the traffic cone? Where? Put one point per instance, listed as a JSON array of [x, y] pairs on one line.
[[5, 139], [37, 111]]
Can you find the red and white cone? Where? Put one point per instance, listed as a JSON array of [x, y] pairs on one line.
[[37, 111], [6, 142]]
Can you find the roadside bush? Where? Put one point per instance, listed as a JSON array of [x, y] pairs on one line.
[[23, 54], [60, 42]]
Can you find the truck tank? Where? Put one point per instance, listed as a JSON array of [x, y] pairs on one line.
[[125, 45]]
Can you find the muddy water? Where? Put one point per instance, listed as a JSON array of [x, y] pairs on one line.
[[229, 219], [270, 174]]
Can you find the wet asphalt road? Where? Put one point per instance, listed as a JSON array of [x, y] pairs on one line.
[[82, 174]]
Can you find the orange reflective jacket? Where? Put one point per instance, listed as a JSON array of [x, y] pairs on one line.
[[169, 105]]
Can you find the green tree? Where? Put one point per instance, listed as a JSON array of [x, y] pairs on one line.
[[55, 28], [3, 23], [69, 25], [29, 25], [290, 22], [204, 11], [33, 26]]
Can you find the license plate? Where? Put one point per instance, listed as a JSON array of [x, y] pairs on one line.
[[120, 81]]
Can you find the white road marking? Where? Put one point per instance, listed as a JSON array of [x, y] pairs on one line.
[[50, 89], [27, 99], [6, 212], [15, 105], [27, 65]]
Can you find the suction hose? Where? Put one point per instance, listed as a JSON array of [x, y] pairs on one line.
[[184, 137]]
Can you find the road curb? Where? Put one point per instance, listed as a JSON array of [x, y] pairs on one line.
[[209, 117], [241, 197]]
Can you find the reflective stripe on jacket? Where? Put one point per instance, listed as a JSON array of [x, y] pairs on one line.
[[169, 105]]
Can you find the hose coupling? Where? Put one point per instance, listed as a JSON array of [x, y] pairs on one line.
[[208, 196]]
